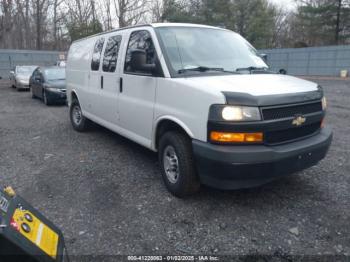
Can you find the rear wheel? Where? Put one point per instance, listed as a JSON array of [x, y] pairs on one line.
[[177, 164], [79, 122]]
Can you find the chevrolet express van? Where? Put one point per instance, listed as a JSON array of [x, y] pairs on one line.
[[201, 97]]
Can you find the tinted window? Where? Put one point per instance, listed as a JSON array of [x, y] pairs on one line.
[[96, 56], [140, 40], [37, 74], [111, 54]]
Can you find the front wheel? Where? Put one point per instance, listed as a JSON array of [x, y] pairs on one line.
[[177, 164], [46, 99], [79, 122]]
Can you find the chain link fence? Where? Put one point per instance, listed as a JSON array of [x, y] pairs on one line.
[[311, 61], [10, 58]]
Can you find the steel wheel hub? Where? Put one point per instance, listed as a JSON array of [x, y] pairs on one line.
[[77, 116], [171, 164]]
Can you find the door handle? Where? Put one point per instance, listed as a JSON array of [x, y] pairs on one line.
[[101, 82], [121, 85]]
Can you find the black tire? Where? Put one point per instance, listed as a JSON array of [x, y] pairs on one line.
[[46, 99], [187, 182], [81, 125]]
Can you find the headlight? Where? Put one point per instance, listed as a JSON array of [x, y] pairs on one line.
[[52, 89], [240, 113], [324, 103]]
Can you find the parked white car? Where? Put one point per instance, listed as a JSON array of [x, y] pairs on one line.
[[203, 98], [20, 76], [61, 63]]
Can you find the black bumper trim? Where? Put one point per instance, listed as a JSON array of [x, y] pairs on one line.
[[236, 166], [56, 96]]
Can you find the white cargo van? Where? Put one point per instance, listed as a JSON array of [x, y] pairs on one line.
[[203, 98]]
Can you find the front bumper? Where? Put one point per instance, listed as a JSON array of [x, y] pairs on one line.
[[56, 96], [244, 166], [22, 86]]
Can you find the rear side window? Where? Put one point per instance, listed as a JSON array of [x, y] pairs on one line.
[[96, 56], [37, 75], [140, 40], [111, 54]]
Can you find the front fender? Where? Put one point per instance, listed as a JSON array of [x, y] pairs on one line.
[[173, 119]]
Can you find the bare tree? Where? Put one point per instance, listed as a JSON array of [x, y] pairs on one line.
[[40, 8], [106, 10], [56, 22], [157, 11], [131, 12], [7, 9]]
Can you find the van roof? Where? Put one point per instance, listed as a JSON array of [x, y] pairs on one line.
[[154, 25]]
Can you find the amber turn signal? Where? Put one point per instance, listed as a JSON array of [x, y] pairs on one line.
[[236, 137]]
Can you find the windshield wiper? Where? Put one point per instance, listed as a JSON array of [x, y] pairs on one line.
[[204, 69], [254, 68]]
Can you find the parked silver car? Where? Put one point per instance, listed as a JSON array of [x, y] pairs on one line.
[[20, 76]]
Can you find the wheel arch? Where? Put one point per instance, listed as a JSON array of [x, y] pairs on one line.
[[165, 124], [73, 95]]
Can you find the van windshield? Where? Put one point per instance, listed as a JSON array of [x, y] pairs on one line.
[[198, 50], [53, 74], [25, 70]]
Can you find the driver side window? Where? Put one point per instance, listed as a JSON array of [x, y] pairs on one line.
[[38, 76], [35, 74], [140, 41]]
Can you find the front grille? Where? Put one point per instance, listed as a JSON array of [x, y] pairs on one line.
[[281, 136], [291, 111]]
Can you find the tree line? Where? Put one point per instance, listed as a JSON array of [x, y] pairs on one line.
[[54, 24]]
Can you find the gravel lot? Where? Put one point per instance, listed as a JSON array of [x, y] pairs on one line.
[[106, 192]]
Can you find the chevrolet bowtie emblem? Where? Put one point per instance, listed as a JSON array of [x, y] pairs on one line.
[[299, 120]]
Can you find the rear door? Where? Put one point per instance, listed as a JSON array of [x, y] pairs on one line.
[[95, 77], [110, 80]]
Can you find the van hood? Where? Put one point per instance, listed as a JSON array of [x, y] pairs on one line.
[[255, 85], [259, 89]]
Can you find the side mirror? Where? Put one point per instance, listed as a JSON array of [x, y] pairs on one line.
[[264, 57], [138, 62], [12, 72], [283, 71]]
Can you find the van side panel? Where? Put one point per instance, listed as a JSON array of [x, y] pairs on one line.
[[78, 68]]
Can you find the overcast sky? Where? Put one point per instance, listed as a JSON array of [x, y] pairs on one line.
[[290, 4]]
